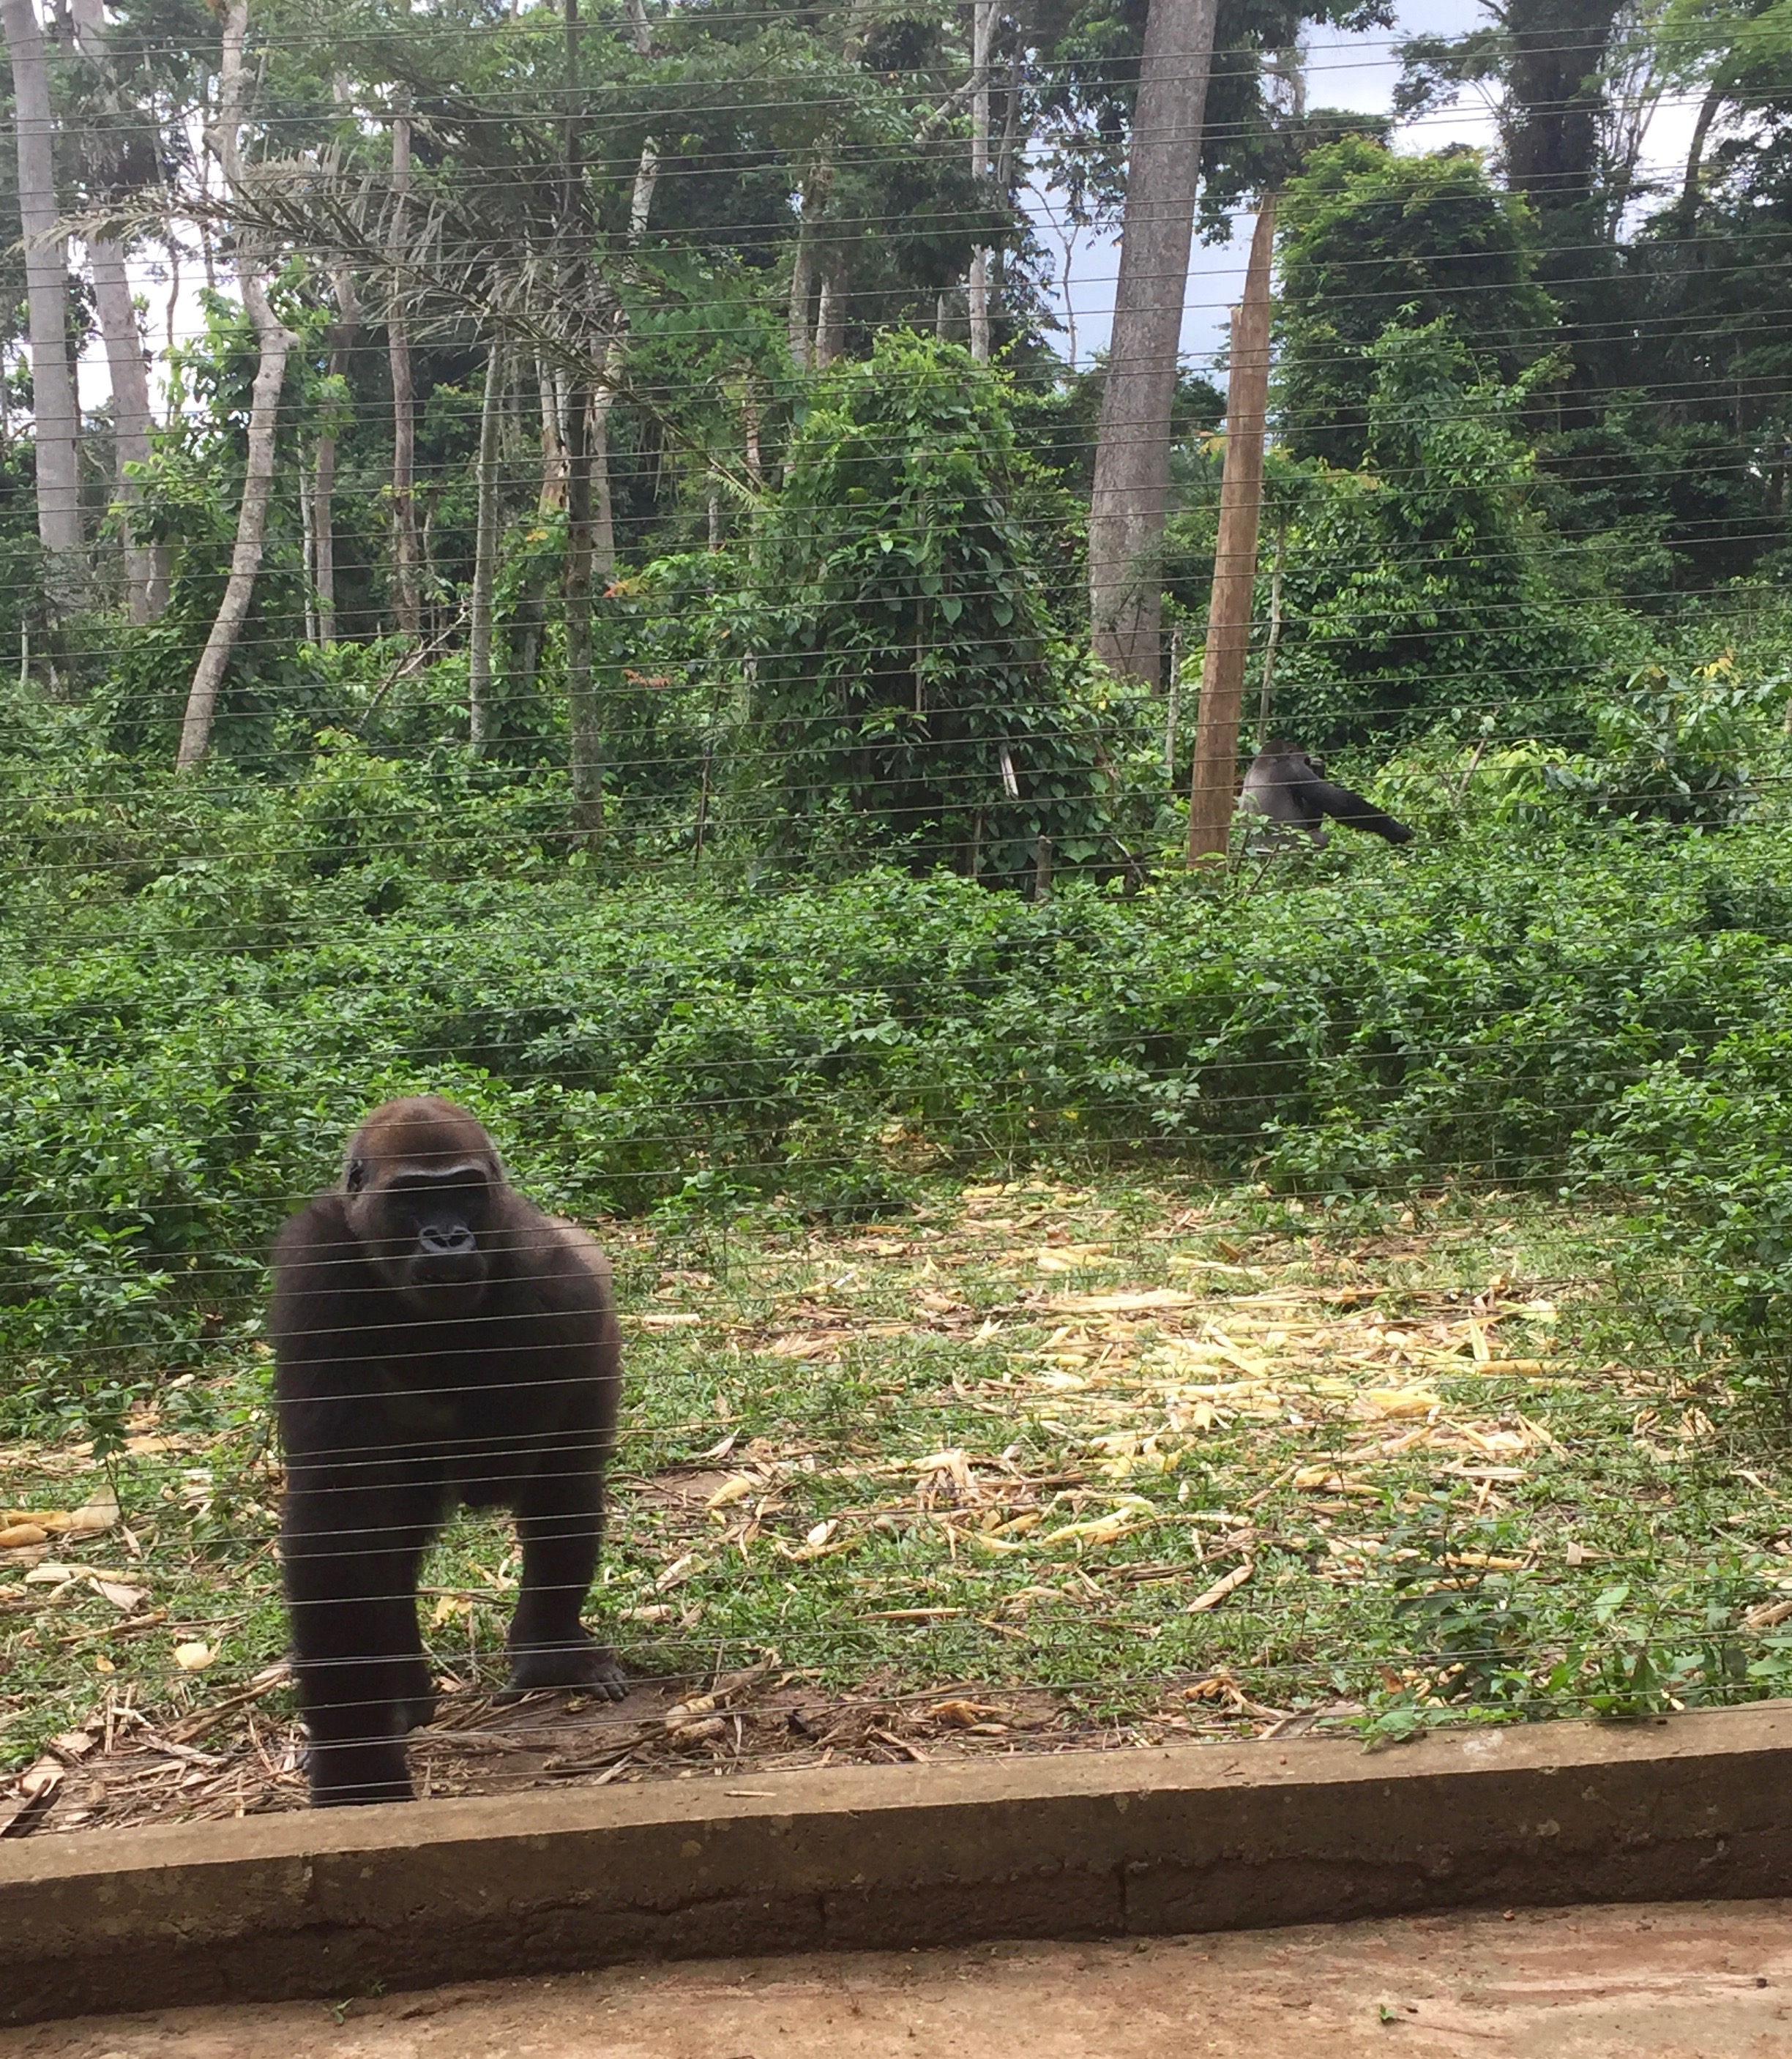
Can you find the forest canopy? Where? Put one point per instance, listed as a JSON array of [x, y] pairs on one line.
[[484, 484]]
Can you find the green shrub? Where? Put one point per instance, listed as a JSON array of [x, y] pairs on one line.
[[211, 980], [911, 697], [1509, 1007], [1682, 749]]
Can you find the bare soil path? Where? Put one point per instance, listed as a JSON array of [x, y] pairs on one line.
[[1698, 1980]]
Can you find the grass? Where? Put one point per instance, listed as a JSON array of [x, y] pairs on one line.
[[1031, 1465]]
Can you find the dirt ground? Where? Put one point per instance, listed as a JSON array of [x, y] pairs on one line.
[[1700, 1981], [1035, 1468]]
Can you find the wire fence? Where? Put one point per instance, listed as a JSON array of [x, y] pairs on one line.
[[1063, 1301]]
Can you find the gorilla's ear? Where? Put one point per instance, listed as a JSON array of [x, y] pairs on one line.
[[354, 1178]]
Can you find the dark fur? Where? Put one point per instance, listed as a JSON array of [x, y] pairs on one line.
[[1291, 788], [438, 1340]]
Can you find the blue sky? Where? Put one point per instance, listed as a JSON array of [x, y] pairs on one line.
[[1342, 70]]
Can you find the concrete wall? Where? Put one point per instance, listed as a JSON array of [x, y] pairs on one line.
[[1190, 1838]]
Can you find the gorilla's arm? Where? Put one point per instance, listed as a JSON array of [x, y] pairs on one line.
[[1354, 812]]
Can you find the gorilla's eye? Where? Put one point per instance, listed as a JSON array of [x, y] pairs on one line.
[[424, 1198]]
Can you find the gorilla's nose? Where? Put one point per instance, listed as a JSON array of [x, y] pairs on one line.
[[448, 1241]]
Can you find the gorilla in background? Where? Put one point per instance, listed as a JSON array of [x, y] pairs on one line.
[[438, 1340], [1291, 788]]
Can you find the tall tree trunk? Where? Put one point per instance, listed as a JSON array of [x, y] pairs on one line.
[[586, 732], [1002, 157], [583, 717], [323, 508], [750, 428], [342, 333], [828, 261], [276, 341], [1708, 107], [983, 45], [640, 206], [804, 269], [830, 309], [529, 627], [485, 553], [145, 565], [323, 536], [553, 442], [603, 500], [404, 556], [1130, 501], [432, 617], [56, 418], [173, 300], [308, 556], [1555, 101], [1556, 96], [802, 287], [1235, 561], [208, 246]]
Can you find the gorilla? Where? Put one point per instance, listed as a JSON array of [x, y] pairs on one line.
[[438, 1340], [1291, 788]]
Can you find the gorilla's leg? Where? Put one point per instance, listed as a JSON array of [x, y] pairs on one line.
[[560, 1521], [351, 1560]]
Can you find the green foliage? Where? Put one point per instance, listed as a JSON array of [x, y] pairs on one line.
[[1417, 587], [1470, 1619], [188, 504], [209, 986], [1472, 1628], [1702, 747], [1706, 1137], [910, 698], [1679, 750], [667, 643], [1371, 238]]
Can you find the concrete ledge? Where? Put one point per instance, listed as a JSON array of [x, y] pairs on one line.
[[1193, 1838]]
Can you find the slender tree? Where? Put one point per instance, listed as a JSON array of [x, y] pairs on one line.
[[1555, 101], [1129, 503], [582, 714], [145, 565], [640, 206], [586, 733], [307, 559], [56, 417], [323, 485], [803, 266], [342, 333], [406, 601], [276, 342], [983, 34], [831, 310], [553, 438], [485, 553]]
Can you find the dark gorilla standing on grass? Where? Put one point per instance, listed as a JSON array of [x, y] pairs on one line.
[[438, 1340], [1291, 788]]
